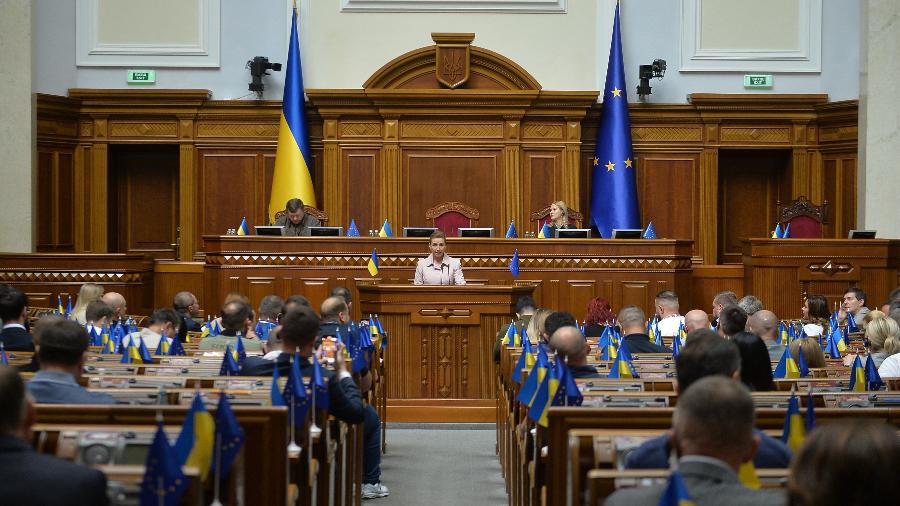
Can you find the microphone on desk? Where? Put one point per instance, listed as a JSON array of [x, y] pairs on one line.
[[442, 273]]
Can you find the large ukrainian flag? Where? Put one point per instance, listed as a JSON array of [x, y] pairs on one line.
[[293, 163]]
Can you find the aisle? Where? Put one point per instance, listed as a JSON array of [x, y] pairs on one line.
[[434, 464]]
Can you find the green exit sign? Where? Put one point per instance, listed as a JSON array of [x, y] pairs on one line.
[[758, 81], [141, 77]]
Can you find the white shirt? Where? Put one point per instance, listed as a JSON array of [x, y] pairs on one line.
[[890, 368], [669, 325]]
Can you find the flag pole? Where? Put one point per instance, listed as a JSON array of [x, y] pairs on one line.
[[293, 448], [314, 430], [216, 478]]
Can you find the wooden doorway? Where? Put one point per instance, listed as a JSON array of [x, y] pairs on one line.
[[750, 184], [143, 200]]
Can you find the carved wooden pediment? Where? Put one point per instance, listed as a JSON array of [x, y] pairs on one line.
[[454, 63]]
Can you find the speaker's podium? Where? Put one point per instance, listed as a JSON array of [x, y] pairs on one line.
[[439, 359]]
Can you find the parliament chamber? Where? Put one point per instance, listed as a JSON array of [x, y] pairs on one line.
[[154, 192]]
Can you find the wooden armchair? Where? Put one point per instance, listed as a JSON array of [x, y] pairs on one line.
[[449, 217], [543, 216], [804, 217], [310, 210]]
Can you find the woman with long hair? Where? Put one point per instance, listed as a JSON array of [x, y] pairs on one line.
[[815, 315], [89, 292], [599, 313]]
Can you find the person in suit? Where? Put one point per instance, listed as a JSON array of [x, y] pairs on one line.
[[298, 333], [720, 300], [295, 221], [14, 312], [62, 353], [756, 366], [237, 317], [764, 323], [706, 354], [732, 319], [116, 301], [633, 323], [570, 344], [713, 435], [696, 319], [854, 304], [439, 268], [188, 307], [30, 478]]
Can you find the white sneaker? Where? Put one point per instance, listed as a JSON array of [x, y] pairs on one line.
[[374, 491]]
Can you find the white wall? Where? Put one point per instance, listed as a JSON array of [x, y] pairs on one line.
[[341, 50]]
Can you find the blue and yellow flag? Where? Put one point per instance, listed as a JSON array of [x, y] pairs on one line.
[[514, 264], [243, 229], [568, 393], [777, 234], [747, 475], [851, 324], [194, 446], [59, 305], [614, 202], [163, 347], [857, 376], [833, 348], [386, 230], [535, 377], [229, 364], [545, 232], [293, 163], [544, 396], [164, 482], [275, 392], [787, 366], [794, 431], [372, 265], [873, 379], [676, 493], [622, 367]]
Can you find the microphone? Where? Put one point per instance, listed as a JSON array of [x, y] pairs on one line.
[[442, 273]]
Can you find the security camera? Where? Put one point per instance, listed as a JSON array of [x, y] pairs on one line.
[[259, 67], [656, 69]]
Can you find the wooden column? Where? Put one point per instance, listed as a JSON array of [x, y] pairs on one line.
[[389, 205], [187, 190], [95, 206], [332, 187], [511, 209]]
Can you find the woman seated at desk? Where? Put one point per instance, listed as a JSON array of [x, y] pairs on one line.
[[559, 217], [438, 268]]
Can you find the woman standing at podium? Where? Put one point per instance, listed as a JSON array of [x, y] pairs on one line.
[[438, 268]]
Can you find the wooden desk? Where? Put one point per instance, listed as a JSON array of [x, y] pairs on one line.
[[439, 360], [782, 271], [566, 273]]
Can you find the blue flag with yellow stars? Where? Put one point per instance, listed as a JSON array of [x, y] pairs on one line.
[[228, 440], [614, 202], [163, 482]]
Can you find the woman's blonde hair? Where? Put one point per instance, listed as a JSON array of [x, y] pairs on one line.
[[565, 211], [536, 324], [89, 292], [883, 333], [812, 352]]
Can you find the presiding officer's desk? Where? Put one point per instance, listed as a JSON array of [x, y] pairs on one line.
[[566, 273]]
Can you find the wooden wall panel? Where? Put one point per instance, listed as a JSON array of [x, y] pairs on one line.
[[362, 166], [542, 178], [430, 177], [669, 193], [65, 202], [839, 175], [170, 278], [708, 280], [45, 187], [229, 190], [581, 291]]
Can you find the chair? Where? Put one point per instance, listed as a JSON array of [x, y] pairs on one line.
[[310, 210], [449, 217], [543, 216], [804, 217]]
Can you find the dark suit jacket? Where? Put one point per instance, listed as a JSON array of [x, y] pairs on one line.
[[16, 339], [187, 325], [707, 484], [30, 478], [654, 454], [344, 397], [640, 343]]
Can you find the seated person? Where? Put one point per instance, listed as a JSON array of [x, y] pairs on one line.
[[764, 323], [854, 305], [62, 353], [570, 344], [537, 330], [846, 462], [812, 352], [706, 354], [295, 221], [237, 317], [525, 308], [438, 268], [695, 319], [299, 329], [815, 315], [118, 304], [557, 320], [559, 217], [599, 314], [30, 478], [163, 322], [756, 366], [667, 308], [98, 315], [750, 304], [271, 308], [188, 308], [732, 320], [713, 435], [14, 313], [89, 292], [633, 323]]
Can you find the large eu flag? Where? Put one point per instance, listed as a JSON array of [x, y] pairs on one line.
[[614, 201]]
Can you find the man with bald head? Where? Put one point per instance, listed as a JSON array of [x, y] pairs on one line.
[[570, 344], [117, 302], [764, 323], [696, 319]]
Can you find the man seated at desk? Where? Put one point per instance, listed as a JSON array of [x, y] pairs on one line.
[[295, 221], [438, 268]]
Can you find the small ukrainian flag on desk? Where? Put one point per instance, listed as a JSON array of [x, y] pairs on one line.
[[243, 229], [373, 263]]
